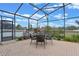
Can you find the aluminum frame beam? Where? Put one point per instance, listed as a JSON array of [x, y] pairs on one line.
[[7, 17], [18, 8], [38, 10], [55, 10], [62, 19], [17, 14], [52, 7]]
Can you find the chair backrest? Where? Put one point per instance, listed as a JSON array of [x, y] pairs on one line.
[[32, 37], [40, 38], [48, 36]]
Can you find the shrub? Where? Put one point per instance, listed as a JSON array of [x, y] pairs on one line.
[[19, 38], [58, 36], [72, 38], [76, 38], [26, 37], [68, 38]]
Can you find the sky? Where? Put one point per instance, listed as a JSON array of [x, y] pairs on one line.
[[27, 10]]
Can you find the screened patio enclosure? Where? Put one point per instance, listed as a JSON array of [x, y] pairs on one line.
[[58, 19]]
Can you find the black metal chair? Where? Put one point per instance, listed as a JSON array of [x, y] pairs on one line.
[[32, 37], [48, 37], [40, 38], [25, 35]]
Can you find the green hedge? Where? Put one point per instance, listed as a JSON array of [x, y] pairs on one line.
[[58, 36], [19, 38], [72, 38]]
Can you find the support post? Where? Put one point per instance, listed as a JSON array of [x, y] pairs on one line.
[[12, 31], [28, 26], [14, 27], [47, 22], [1, 30], [37, 24], [64, 19]]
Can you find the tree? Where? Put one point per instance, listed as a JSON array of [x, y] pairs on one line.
[[18, 27], [35, 30], [30, 27], [48, 29], [71, 28]]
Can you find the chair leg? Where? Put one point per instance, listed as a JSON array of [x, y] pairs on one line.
[[36, 44], [31, 42], [51, 41], [46, 41], [44, 45]]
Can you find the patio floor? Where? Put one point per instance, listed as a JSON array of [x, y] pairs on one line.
[[23, 48]]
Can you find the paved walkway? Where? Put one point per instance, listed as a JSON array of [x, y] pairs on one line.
[[23, 48]]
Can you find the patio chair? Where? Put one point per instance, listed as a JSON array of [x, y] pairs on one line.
[[32, 37], [48, 37], [40, 38], [25, 35]]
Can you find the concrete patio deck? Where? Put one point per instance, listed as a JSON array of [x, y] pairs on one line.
[[23, 48]]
